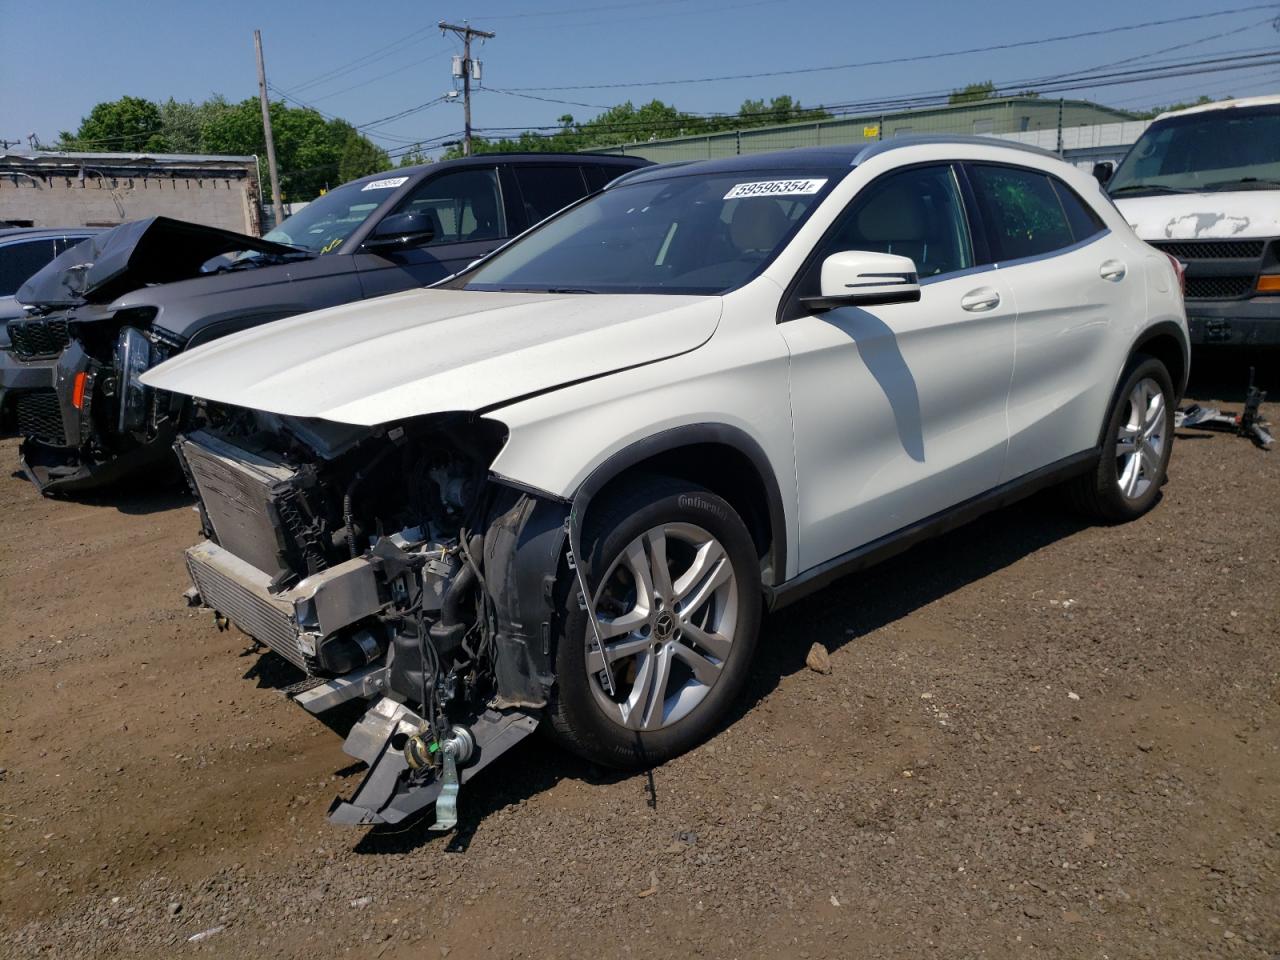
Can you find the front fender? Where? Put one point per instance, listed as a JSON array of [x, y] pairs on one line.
[[570, 442]]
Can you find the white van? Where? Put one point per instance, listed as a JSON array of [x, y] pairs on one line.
[[1203, 185]]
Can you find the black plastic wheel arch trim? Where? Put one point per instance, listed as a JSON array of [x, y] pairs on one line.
[[688, 435]]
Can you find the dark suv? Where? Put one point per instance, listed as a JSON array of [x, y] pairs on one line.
[[106, 312]]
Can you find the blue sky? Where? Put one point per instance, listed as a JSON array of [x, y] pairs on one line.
[[56, 62]]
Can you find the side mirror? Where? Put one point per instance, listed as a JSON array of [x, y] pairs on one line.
[[1102, 171], [402, 230], [858, 278]]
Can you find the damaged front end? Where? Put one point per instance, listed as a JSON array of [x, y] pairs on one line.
[[389, 566], [99, 422]]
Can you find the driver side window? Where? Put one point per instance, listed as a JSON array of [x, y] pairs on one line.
[[464, 205], [916, 213]]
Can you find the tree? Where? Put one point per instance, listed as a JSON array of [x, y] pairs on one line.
[[311, 152], [655, 120], [413, 157], [357, 157], [973, 92], [182, 122], [781, 109], [127, 125]]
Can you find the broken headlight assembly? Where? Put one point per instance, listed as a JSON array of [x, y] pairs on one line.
[[133, 358]]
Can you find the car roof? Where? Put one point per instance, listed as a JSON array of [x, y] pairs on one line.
[[487, 159], [37, 233], [822, 158], [1224, 105]]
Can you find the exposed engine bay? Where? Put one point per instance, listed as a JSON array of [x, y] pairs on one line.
[[388, 565]]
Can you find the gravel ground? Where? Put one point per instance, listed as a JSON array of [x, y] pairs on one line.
[[1035, 736]]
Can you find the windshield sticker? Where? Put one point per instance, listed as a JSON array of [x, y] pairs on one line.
[[386, 184], [775, 188]]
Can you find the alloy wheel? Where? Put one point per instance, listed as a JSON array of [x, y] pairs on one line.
[[665, 613], [1141, 439]]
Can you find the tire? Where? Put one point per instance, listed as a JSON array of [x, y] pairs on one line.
[[1125, 485], [658, 639]]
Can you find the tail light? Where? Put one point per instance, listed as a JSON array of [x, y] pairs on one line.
[[1181, 271]]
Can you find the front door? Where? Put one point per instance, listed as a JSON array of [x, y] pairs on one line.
[[467, 208], [899, 410]]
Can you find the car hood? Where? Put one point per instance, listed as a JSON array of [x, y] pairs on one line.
[[1234, 215], [133, 255], [435, 351]]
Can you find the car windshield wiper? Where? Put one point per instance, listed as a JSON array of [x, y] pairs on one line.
[[1154, 187], [1257, 183], [564, 290]]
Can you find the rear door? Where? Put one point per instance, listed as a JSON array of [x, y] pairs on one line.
[[1073, 282], [470, 221], [899, 410]]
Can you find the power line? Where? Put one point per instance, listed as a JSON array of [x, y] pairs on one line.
[[352, 65], [685, 15], [402, 113], [906, 102], [915, 58], [560, 13], [382, 76], [530, 96]]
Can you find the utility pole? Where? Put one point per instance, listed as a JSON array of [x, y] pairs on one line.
[[469, 69], [266, 130]]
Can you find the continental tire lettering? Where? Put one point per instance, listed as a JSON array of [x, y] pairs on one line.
[[693, 502]]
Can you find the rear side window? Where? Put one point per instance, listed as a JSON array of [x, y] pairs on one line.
[[546, 189], [1023, 215], [62, 244], [1084, 220], [18, 261], [599, 177]]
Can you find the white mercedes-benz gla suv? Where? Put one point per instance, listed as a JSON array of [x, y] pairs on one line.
[[564, 485]]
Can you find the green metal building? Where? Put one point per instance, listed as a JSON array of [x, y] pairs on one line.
[[1038, 120]]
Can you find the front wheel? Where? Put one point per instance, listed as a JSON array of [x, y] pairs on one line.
[[675, 600], [1137, 442]]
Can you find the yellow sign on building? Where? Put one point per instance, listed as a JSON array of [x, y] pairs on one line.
[[871, 131]]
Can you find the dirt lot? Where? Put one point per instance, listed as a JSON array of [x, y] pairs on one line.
[[1036, 738]]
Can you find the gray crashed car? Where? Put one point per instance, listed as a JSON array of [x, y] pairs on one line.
[[24, 251], [99, 318]]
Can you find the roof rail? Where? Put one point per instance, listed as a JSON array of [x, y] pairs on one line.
[[883, 146]]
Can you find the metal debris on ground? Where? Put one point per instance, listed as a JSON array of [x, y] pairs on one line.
[[1247, 424]]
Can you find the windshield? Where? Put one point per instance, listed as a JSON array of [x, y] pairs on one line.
[[1226, 149], [326, 221], [700, 234]]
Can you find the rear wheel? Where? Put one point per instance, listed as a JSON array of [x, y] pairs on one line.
[[676, 607], [1137, 442]]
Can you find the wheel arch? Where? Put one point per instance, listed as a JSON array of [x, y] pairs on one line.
[[1167, 342], [724, 459]]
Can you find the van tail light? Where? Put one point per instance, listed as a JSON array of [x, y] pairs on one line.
[[1181, 271]]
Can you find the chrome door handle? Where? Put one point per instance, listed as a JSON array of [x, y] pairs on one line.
[[976, 301], [1112, 270]]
